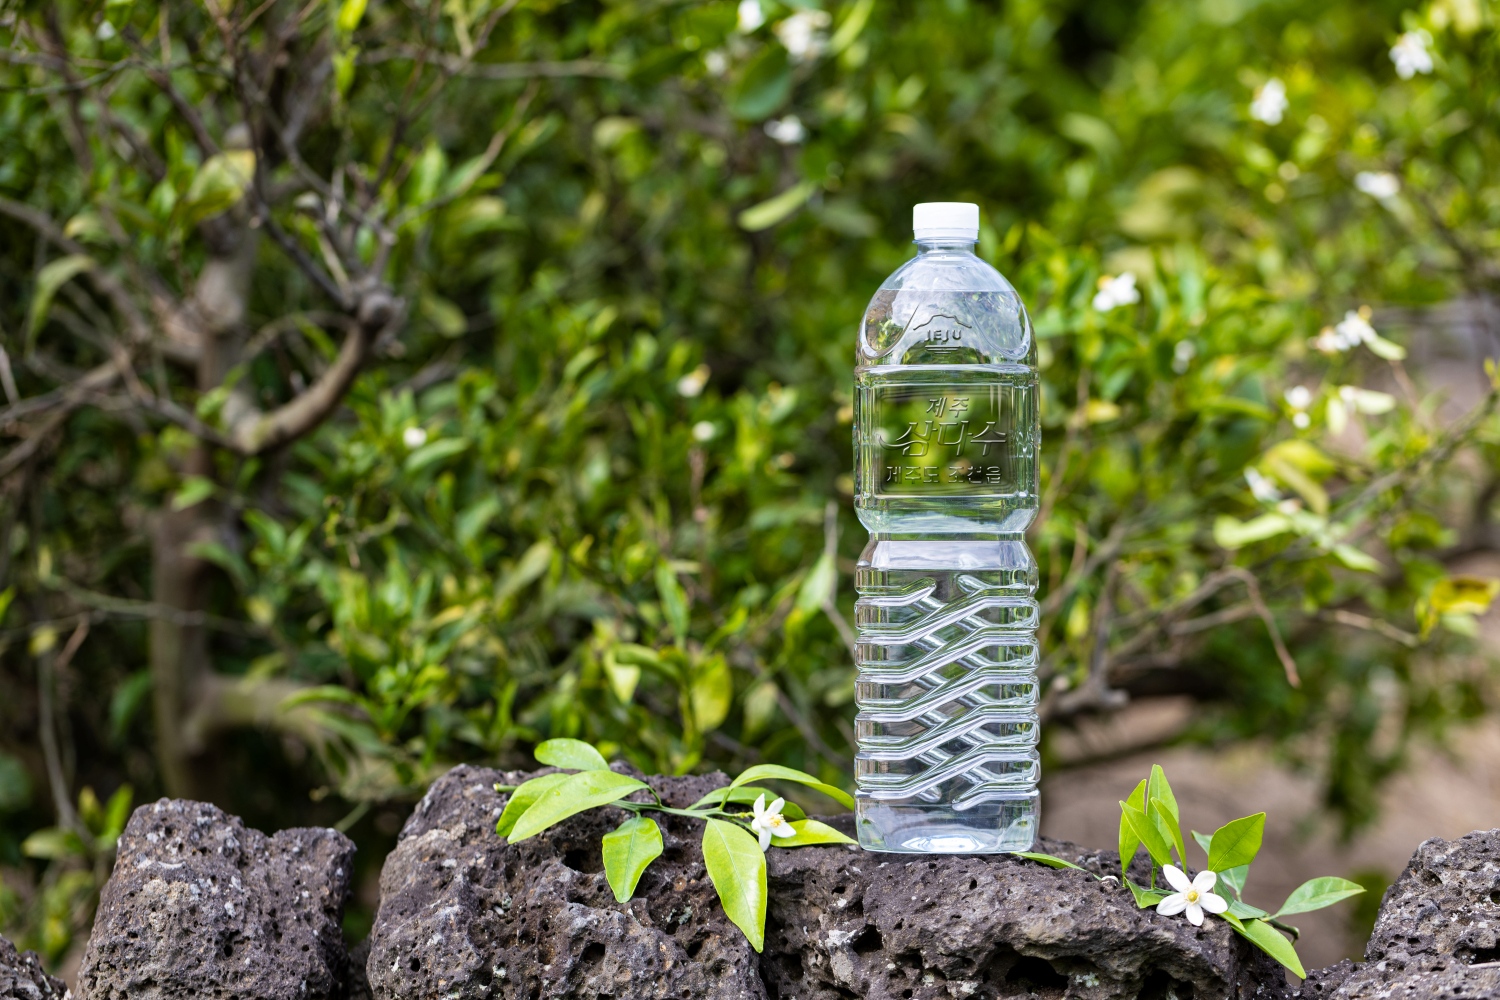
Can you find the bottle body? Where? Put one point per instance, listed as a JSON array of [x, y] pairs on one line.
[[946, 442]]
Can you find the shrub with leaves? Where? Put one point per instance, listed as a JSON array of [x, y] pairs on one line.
[[1150, 818], [734, 839]]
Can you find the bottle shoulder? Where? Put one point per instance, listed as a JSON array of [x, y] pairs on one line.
[[945, 307]]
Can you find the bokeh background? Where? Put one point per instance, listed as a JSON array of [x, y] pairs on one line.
[[392, 384]]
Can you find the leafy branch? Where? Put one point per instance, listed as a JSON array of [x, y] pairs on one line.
[[734, 839], [1150, 818]]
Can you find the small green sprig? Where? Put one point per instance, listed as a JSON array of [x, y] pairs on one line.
[[734, 839], [1149, 818]]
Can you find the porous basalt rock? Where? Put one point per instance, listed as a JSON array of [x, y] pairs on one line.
[[464, 915], [199, 905], [1438, 932], [23, 978]]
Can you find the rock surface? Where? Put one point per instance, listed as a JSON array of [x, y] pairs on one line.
[[22, 976], [1438, 932], [199, 905], [464, 915]]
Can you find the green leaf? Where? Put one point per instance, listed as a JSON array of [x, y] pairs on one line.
[[218, 185], [49, 279], [1148, 834], [532, 564], [712, 693], [579, 792], [1047, 859], [764, 85], [432, 453], [774, 210], [674, 600], [773, 772], [810, 831], [1236, 842], [54, 844], [817, 587], [738, 870], [745, 795], [523, 798], [1356, 559], [1164, 805], [1129, 842], [350, 14], [852, 25], [575, 754], [1269, 940], [1145, 897], [1235, 878], [1230, 533], [194, 490], [1244, 910], [1314, 894], [628, 850]]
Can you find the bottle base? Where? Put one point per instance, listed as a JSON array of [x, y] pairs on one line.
[[995, 827]]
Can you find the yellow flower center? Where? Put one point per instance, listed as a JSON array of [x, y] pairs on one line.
[[1192, 896]]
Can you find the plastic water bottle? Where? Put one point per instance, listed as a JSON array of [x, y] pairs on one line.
[[946, 442]]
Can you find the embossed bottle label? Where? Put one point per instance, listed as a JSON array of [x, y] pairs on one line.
[[969, 436]]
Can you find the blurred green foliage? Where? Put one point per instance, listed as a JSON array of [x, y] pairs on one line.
[[595, 483]]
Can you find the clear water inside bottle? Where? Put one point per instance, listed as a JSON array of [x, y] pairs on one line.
[[946, 443]]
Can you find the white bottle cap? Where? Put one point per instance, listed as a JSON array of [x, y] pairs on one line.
[[945, 220]]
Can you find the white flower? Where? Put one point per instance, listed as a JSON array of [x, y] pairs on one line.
[[414, 437], [716, 62], [1260, 487], [703, 431], [768, 822], [1194, 896], [1299, 398], [1410, 54], [1270, 102], [802, 35], [788, 131], [1354, 329], [1182, 355], [1381, 184], [105, 32], [751, 16], [692, 383], [1117, 291]]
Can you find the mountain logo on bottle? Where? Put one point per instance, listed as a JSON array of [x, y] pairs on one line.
[[943, 332]]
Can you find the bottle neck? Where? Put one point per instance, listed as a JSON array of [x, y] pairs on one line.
[[945, 244]]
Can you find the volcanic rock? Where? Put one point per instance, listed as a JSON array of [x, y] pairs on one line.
[[199, 905]]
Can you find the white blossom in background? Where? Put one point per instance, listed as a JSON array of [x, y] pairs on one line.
[[703, 431], [768, 822], [1351, 331], [1380, 184], [1410, 54], [692, 383], [716, 62], [1193, 897], [751, 16], [105, 31], [1182, 355], [414, 437], [1270, 103], [802, 34], [788, 131], [1262, 488], [1117, 291], [1299, 398]]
